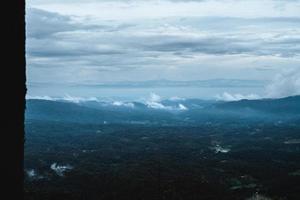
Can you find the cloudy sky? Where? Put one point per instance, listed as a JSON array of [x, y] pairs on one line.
[[96, 41]]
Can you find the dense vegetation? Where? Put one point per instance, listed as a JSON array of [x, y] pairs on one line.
[[71, 153]]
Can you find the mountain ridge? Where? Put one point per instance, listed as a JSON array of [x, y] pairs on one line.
[[181, 111]]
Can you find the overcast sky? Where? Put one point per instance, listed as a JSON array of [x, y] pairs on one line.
[[92, 41]]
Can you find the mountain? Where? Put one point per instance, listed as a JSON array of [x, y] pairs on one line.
[[181, 111], [91, 112], [282, 106], [63, 111]]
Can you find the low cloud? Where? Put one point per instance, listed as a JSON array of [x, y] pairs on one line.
[[284, 84], [125, 104], [41, 98], [154, 97], [33, 175], [155, 102], [66, 97], [60, 169], [78, 99], [236, 97], [182, 107], [176, 98], [219, 149]]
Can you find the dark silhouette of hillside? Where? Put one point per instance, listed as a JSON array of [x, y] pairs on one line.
[[13, 96]]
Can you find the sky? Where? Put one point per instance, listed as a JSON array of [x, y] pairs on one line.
[[99, 41]]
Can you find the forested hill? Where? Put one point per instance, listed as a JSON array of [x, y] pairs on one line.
[[164, 112]]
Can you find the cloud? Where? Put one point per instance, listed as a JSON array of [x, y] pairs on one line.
[[154, 97], [41, 97], [40, 23], [128, 9], [157, 105], [44, 24], [32, 174], [182, 107], [154, 102], [236, 97], [71, 41], [219, 149], [66, 97], [62, 32], [60, 169], [257, 196], [120, 103], [245, 42], [69, 49], [59, 39], [286, 83], [176, 98], [77, 99]]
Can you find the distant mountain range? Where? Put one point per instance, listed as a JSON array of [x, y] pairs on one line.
[[282, 106], [166, 111]]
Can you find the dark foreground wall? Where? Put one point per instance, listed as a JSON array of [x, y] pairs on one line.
[[13, 95]]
